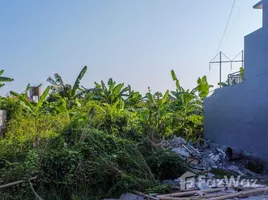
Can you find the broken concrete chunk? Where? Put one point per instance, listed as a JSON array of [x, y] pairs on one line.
[[216, 158], [233, 168], [240, 173], [181, 151], [193, 160], [221, 151], [177, 141], [210, 175], [129, 196]]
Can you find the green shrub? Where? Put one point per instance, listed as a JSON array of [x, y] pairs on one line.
[[26, 129], [94, 163], [12, 106], [166, 164]]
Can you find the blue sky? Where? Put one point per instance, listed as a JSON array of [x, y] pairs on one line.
[[133, 41]]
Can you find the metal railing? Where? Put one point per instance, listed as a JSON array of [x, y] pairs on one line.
[[235, 78]]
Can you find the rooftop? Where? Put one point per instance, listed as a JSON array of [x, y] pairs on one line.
[[258, 5]]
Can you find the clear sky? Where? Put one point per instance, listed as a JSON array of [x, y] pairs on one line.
[[133, 41]]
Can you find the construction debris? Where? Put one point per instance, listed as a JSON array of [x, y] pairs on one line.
[[204, 158], [217, 194], [129, 196], [210, 162]]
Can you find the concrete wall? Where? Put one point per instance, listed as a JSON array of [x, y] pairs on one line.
[[237, 116]]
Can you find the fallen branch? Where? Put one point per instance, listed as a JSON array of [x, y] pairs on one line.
[[36, 195], [145, 195], [16, 182]]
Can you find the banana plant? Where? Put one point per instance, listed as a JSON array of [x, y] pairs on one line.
[[190, 98], [32, 107], [4, 79], [187, 105], [201, 90], [241, 71], [134, 99], [110, 93], [157, 112], [61, 90], [66, 90]]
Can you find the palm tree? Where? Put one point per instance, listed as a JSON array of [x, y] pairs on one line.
[[4, 79]]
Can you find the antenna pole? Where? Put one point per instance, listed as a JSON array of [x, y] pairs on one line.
[[220, 68], [243, 58], [221, 61]]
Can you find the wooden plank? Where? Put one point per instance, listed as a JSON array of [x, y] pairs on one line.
[[187, 195], [245, 194]]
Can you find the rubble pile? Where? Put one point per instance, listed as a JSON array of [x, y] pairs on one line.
[[208, 160], [206, 157]]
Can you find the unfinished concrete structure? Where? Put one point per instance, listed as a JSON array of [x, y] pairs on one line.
[[237, 116]]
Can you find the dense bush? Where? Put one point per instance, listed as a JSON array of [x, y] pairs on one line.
[[27, 128], [166, 164], [95, 143], [92, 164]]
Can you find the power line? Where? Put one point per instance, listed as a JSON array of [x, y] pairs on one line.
[[234, 22], [224, 32]]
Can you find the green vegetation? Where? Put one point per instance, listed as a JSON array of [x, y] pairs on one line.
[[94, 143], [4, 79]]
